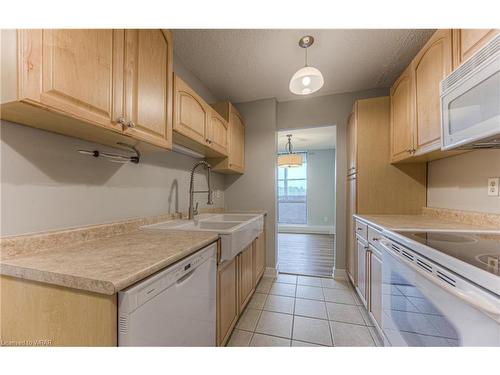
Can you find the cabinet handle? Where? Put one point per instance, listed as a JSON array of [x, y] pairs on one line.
[[375, 239], [120, 120], [359, 228], [130, 124]]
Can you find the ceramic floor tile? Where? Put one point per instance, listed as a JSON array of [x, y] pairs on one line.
[[286, 279], [345, 334], [309, 280], [310, 308], [258, 300], [240, 338], [280, 304], [266, 340], [283, 289], [340, 312], [311, 330], [339, 296], [248, 320], [309, 292], [335, 284], [264, 286], [304, 344], [275, 324]]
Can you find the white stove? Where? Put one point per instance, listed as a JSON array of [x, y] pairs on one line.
[[441, 288]]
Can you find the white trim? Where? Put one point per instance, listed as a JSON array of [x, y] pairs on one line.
[[271, 272], [339, 273], [298, 228]]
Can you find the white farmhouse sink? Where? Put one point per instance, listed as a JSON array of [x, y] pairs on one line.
[[236, 231]]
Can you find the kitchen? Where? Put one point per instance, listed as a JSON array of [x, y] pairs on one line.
[[139, 186]]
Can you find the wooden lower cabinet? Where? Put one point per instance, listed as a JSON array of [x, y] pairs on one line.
[[236, 281], [39, 314], [375, 285], [363, 275], [227, 299]]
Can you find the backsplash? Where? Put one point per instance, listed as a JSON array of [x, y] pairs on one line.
[[46, 185], [460, 182]]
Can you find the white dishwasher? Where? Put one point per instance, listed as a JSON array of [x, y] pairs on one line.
[[175, 307]]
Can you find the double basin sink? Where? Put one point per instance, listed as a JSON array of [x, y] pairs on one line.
[[236, 231]]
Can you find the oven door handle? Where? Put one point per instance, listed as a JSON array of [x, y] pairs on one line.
[[471, 298]]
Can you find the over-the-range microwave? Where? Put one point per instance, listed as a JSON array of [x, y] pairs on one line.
[[470, 101]]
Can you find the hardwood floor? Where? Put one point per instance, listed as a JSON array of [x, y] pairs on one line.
[[305, 254]]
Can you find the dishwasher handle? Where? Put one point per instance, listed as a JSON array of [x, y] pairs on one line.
[[185, 277]]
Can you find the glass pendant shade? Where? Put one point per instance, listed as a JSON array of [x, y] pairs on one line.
[[306, 81], [290, 160]]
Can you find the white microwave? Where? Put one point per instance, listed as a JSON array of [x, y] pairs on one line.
[[470, 102]]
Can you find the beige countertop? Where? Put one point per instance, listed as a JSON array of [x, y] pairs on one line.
[[424, 222], [106, 265]]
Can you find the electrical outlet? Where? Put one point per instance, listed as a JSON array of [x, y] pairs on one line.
[[493, 183]]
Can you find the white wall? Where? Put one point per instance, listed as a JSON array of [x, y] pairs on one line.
[[256, 188], [47, 185], [321, 188], [460, 182]]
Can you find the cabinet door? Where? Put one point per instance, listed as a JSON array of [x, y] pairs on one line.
[[351, 144], [361, 250], [81, 72], [245, 275], [217, 133], [227, 299], [148, 85], [467, 41], [402, 120], [259, 259], [191, 114], [376, 286], [430, 66], [236, 142], [351, 256]]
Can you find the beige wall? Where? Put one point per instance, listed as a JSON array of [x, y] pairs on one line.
[[256, 189], [460, 182]]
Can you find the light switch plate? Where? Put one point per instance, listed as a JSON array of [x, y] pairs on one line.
[[493, 183]]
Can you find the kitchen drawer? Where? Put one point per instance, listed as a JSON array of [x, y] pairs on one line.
[[361, 229], [374, 237]]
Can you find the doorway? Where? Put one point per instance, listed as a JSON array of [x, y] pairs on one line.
[[305, 198]]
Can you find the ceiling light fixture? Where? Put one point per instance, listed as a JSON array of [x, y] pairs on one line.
[[289, 160], [308, 79]]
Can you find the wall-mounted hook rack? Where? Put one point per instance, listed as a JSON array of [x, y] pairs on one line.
[[115, 158]]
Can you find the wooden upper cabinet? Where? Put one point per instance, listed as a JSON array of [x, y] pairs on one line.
[[351, 143], [81, 72], [467, 41], [105, 86], [430, 66], [191, 113], [148, 85], [235, 160], [217, 134], [402, 120]]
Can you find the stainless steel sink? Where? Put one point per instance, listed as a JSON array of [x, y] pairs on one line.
[[236, 231]]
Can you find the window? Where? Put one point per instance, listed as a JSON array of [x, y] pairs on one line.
[[292, 194]]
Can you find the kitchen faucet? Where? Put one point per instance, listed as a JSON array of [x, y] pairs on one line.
[[194, 210]]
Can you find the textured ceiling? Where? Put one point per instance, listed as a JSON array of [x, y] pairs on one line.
[[321, 138], [245, 65]]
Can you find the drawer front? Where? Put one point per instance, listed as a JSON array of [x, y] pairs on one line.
[[361, 229], [374, 237]]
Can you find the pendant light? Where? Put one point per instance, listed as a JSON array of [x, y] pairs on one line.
[[289, 160], [306, 80]]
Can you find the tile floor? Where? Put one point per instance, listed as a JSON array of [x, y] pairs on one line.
[[304, 311]]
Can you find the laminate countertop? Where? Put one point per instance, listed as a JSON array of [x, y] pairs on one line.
[[426, 222], [106, 265]]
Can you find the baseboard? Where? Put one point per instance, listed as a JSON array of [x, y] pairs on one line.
[[312, 229], [271, 272], [339, 273]]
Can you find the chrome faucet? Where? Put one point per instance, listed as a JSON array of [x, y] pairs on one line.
[[194, 210]]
